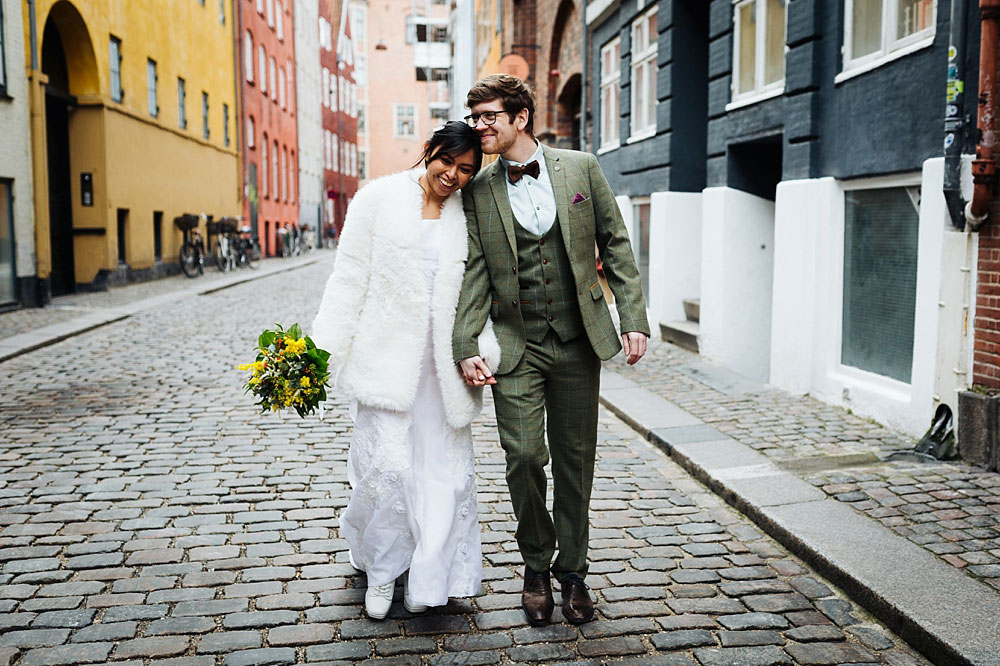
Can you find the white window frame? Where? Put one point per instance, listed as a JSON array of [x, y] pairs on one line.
[[152, 77], [759, 92], [181, 103], [891, 48], [260, 7], [222, 12], [275, 174], [396, 108], [263, 165], [849, 375], [281, 87], [115, 66], [272, 77], [270, 13], [646, 58], [206, 131], [611, 84], [262, 67], [250, 132], [279, 21], [248, 55]]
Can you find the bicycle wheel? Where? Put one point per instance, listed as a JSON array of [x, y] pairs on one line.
[[220, 256], [252, 252], [189, 259]]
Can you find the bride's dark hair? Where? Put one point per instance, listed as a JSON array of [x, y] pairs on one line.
[[453, 139]]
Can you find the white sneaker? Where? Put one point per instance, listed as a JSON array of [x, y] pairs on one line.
[[413, 608], [378, 599]]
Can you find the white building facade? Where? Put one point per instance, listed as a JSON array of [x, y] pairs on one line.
[[308, 91]]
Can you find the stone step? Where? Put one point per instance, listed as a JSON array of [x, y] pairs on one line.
[[692, 309], [681, 333]]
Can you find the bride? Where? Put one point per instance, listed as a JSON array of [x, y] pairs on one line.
[[386, 318]]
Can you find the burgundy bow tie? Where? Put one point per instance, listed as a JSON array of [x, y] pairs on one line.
[[515, 172]]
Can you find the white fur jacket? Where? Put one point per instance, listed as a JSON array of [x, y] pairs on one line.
[[375, 311]]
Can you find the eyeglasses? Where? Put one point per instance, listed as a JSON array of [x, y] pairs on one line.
[[488, 118]]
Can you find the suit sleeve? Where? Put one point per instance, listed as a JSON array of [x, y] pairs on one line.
[[616, 253], [336, 322], [473, 302]]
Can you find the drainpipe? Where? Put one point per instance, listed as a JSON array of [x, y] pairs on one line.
[[33, 23], [954, 117], [984, 167], [583, 81]]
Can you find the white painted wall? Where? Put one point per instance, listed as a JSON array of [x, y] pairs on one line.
[[674, 254], [736, 280], [807, 317], [309, 112], [15, 146]]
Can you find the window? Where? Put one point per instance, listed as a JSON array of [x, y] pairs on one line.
[[439, 116], [362, 113], [880, 280], [222, 12], [284, 171], [640, 240], [293, 180], [325, 34], [248, 55], [876, 29], [225, 124], [610, 79], [290, 82], [280, 24], [263, 165], [251, 132], [272, 78], [758, 48], [3, 67], [281, 87], [644, 43], [362, 165], [151, 103], [405, 121], [204, 115], [8, 279], [439, 34], [260, 7], [182, 120], [115, 59], [270, 13], [262, 67], [275, 175]]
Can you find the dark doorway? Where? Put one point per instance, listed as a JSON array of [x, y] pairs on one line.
[[58, 106], [755, 166], [158, 235], [568, 128], [122, 228]]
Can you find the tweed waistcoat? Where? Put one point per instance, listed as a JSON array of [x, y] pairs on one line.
[[547, 293]]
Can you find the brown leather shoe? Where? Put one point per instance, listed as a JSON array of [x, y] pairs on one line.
[[536, 598], [577, 606]]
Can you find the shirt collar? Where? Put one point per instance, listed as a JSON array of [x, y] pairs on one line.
[[538, 156]]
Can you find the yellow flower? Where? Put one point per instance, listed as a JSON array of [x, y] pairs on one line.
[[244, 366], [304, 382]]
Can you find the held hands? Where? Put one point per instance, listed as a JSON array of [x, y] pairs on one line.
[[476, 372], [635, 346]]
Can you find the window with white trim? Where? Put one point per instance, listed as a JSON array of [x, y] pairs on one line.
[[262, 67], [610, 81], [250, 132], [225, 124], [263, 165], [222, 12], [260, 7], [182, 120], [205, 131], [325, 93], [281, 87], [758, 48], [248, 55], [875, 29], [275, 174], [279, 21], [325, 34], [151, 78], [270, 13], [643, 82], [406, 121], [272, 78], [115, 60]]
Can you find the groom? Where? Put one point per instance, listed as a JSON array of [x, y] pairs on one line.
[[534, 216]]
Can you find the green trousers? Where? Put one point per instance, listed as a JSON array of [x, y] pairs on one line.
[[561, 382]]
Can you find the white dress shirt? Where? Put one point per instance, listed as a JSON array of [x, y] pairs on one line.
[[531, 200]]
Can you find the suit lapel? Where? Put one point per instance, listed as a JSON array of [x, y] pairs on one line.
[[498, 183], [557, 176]]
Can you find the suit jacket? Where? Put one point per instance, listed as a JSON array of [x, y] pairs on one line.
[[490, 286]]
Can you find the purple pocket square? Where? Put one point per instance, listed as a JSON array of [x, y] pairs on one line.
[[578, 198]]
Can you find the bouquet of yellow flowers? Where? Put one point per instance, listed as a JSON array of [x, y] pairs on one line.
[[290, 371]]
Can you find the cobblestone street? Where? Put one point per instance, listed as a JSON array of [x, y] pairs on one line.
[[149, 514]]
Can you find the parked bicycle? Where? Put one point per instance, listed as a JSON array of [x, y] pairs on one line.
[[224, 250], [192, 254], [247, 249]]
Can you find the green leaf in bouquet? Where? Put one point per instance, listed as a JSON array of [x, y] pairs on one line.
[[266, 339], [295, 332]]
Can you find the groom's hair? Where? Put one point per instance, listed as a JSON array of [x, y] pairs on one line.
[[512, 92]]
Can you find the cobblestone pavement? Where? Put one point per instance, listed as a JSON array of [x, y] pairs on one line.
[[950, 508], [148, 514], [68, 307]]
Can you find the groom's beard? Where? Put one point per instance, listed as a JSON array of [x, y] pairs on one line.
[[494, 144]]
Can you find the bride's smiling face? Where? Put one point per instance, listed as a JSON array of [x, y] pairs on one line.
[[449, 173]]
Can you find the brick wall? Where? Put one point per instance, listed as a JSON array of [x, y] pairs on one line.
[[560, 57], [986, 357]]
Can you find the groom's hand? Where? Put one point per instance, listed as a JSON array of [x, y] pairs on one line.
[[476, 372], [635, 346]]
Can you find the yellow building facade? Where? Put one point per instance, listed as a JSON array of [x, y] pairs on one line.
[[489, 36], [134, 122]]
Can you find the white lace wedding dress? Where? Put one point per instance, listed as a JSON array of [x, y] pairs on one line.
[[413, 504]]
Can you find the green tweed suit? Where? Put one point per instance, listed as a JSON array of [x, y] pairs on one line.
[[554, 378]]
